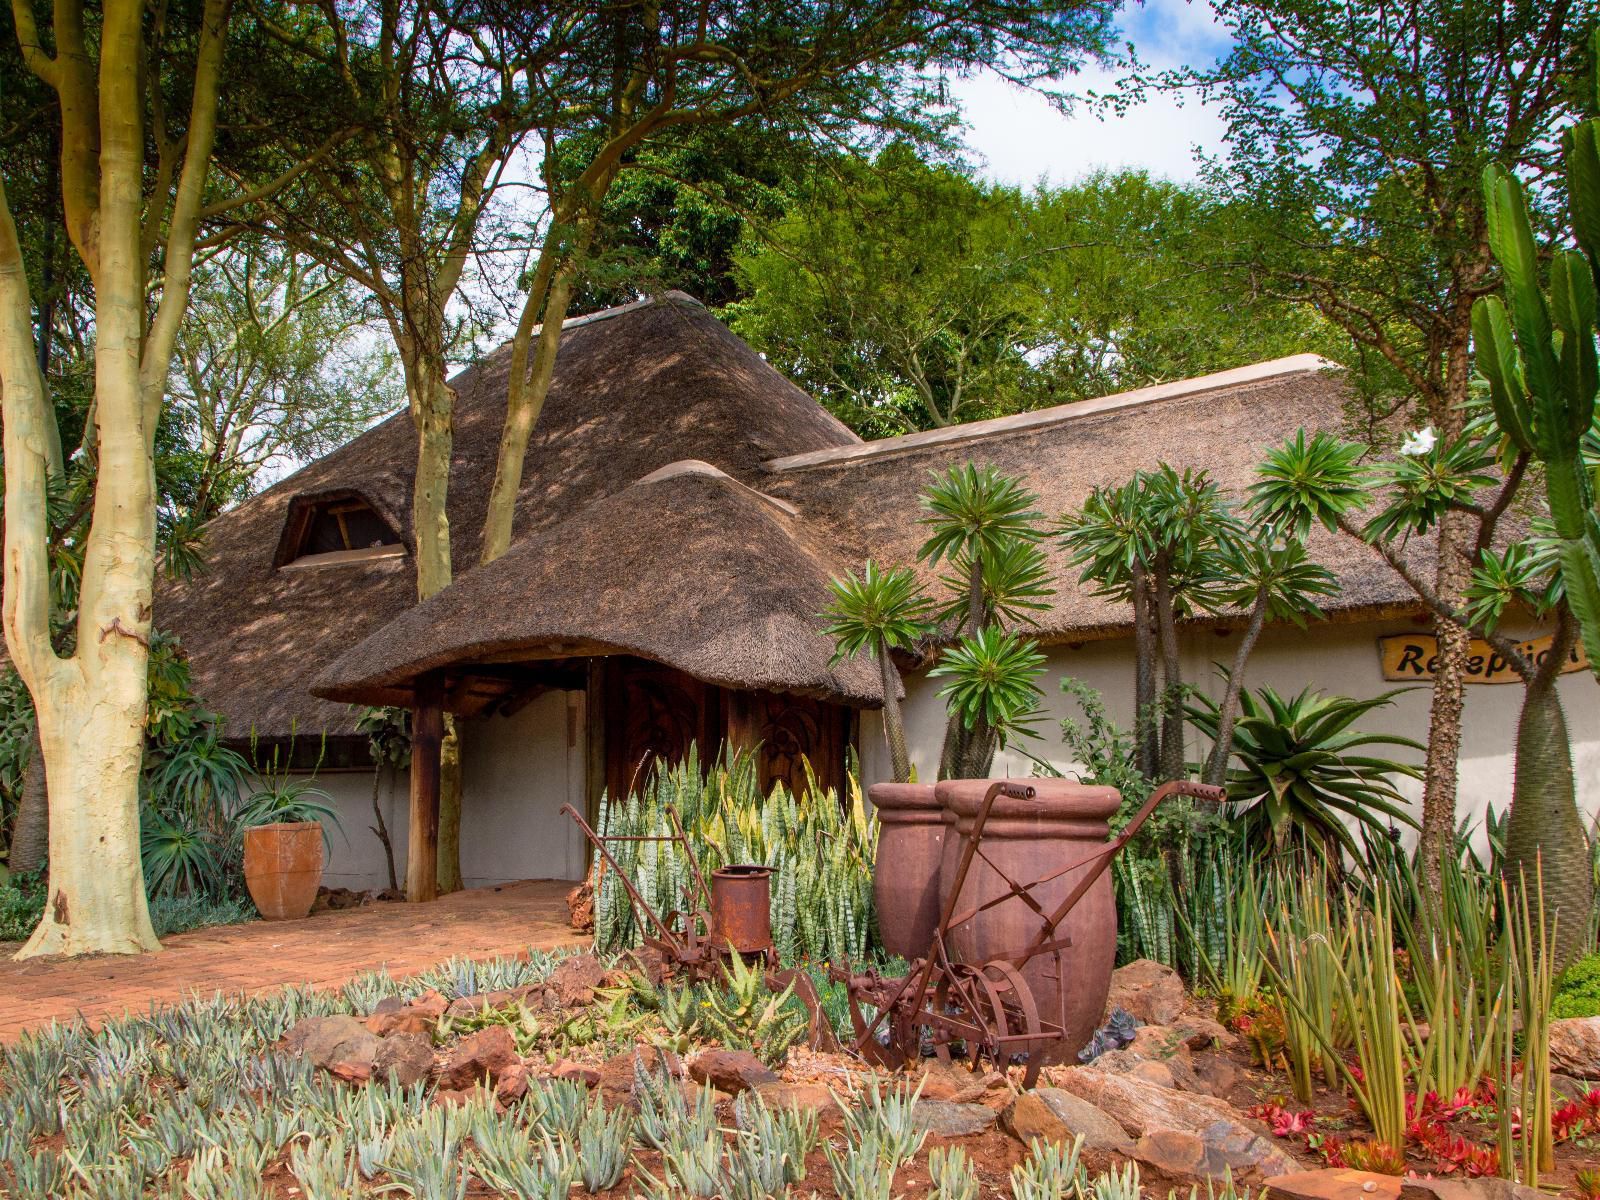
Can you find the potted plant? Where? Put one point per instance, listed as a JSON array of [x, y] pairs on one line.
[[283, 825]]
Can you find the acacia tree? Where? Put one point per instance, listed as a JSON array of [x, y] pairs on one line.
[[114, 75], [1357, 136], [665, 71]]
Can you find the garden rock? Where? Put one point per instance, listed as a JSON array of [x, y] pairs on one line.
[[803, 1097], [580, 907], [945, 1081], [1333, 1183], [404, 1058], [403, 1020], [1216, 1073], [477, 1056], [1168, 1072], [947, 1119], [512, 1084], [1467, 1189], [731, 1071], [573, 982], [1575, 1046], [342, 1044], [486, 1001], [1142, 1108], [1151, 991], [1055, 1115], [429, 1004], [617, 1073], [580, 1072]]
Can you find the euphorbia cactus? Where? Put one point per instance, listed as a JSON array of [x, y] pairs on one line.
[[1538, 353]]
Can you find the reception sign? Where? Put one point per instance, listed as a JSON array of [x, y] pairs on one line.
[[1412, 657]]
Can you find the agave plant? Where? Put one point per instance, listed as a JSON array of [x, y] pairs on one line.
[[1299, 769]]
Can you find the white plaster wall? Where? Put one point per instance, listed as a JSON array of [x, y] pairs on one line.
[[355, 855], [1336, 658], [517, 773]]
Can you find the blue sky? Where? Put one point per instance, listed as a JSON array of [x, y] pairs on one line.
[[1018, 137]]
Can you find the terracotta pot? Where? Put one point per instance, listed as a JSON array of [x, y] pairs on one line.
[[1030, 839], [282, 868], [905, 877]]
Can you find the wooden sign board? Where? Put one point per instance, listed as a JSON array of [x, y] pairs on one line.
[[1412, 656]]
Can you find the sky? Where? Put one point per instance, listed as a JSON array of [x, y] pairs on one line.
[[1017, 137]]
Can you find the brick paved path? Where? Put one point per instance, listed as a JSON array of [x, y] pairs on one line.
[[324, 950]]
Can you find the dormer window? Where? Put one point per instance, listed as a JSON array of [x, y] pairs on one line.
[[333, 529]]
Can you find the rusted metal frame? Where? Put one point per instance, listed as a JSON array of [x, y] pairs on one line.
[[599, 843], [1176, 787], [688, 850]]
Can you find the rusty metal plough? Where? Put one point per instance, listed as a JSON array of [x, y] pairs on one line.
[[988, 1008]]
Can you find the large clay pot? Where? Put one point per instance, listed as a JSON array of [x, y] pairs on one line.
[[282, 868], [905, 877], [1029, 839]]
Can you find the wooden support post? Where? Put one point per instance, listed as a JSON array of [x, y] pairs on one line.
[[427, 735]]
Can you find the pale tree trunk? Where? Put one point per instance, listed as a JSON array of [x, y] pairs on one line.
[[91, 706], [30, 835]]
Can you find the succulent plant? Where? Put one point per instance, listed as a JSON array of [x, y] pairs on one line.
[[953, 1175], [886, 1117], [544, 1170], [604, 1140], [325, 1168], [1052, 1172], [794, 1130]]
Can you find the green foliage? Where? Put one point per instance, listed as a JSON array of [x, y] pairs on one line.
[[820, 847], [974, 513], [992, 682], [973, 300], [877, 611], [1302, 770], [743, 1014], [1578, 990], [20, 911], [177, 859], [286, 797]]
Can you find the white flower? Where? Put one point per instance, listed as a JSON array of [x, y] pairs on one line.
[[1420, 442]]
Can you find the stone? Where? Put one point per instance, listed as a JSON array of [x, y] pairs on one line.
[[580, 1072], [388, 1004], [512, 1084], [1149, 990], [617, 1072], [1575, 1046], [485, 1001], [478, 1056], [1333, 1183], [1156, 1042], [946, 1081], [572, 983], [1215, 1073], [803, 1097], [1175, 1152], [339, 1041], [1565, 1087], [731, 1071], [404, 1021], [1142, 1108], [404, 1058], [429, 1004], [1054, 1115], [1467, 1189], [949, 1119], [580, 907]]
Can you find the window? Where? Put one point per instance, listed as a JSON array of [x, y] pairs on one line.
[[336, 529]]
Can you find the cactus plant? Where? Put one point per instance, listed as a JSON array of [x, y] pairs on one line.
[[1538, 353]]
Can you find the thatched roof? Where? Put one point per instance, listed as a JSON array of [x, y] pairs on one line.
[[866, 496], [639, 532], [634, 389], [687, 567]]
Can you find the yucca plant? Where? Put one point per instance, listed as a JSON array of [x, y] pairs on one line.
[[1300, 769]]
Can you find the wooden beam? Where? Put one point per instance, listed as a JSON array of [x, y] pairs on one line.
[[427, 734]]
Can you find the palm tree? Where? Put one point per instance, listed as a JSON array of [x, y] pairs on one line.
[[878, 612]]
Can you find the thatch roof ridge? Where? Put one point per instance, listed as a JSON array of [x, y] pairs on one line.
[[689, 567], [635, 388]]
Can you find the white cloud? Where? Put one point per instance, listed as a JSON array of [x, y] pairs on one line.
[[1018, 137]]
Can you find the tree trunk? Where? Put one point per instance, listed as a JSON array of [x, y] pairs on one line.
[[894, 730], [433, 414], [1442, 765], [1216, 768], [30, 836], [1147, 738], [450, 807], [1544, 832], [1170, 763], [382, 829], [93, 743]]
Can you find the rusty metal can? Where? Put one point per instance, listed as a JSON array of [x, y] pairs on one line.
[[741, 913]]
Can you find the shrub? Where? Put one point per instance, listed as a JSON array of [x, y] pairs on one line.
[[1578, 993], [20, 911]]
